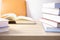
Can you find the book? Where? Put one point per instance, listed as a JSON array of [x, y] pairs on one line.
[[53, 11], [51, 23], [48, 28], [51, 17], [3, 22], [19, 19], [9, 16], [51, 5], [4, 29]]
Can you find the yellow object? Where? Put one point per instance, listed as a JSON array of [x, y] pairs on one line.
[[14, 6]]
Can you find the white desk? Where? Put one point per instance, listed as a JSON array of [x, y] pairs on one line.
[[28, 31]]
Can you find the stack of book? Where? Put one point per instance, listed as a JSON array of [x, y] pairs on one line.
[[3, 25], [51, 17]]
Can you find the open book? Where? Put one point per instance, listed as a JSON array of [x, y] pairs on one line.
[[18, 19]]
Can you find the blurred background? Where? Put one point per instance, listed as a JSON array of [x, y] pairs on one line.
[[30, 8]]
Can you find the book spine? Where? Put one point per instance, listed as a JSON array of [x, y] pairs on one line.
[[52, 11], [51, 5], [52, 17]]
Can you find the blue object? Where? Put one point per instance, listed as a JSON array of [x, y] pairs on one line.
[[49, 28]]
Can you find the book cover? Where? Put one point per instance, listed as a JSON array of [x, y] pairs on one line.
[[51, 5], [48, 28], [4, 29]]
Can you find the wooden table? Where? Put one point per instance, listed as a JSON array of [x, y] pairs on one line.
[[28, 32]]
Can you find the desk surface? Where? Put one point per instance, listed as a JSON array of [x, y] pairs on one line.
[[27, 30]]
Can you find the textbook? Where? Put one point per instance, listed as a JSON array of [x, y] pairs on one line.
[[48, 28], [51, 17], [53, 11], [49, 22], [51, 5]]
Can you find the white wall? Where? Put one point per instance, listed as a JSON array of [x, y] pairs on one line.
[[34, 7]]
